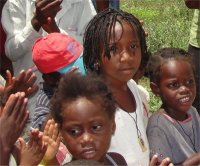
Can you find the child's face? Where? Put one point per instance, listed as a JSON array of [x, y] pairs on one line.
[[177, 87], [125, 54], [87, 129]]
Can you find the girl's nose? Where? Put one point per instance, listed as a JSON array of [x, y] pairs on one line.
[[125, 55], [86, 139], [183, 89]]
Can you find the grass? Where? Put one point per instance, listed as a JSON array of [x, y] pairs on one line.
[[168, 25]]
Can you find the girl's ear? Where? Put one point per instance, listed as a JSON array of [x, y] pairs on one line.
[[155, 89]]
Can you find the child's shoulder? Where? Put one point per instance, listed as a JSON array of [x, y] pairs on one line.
[[158, 118], [193, 111], [133, 86], [113, 158], [195, 116]]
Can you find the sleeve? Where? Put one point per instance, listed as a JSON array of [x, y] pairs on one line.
[[41, 112], [145, 103], [85, 16], [158, 143], [17, 25]]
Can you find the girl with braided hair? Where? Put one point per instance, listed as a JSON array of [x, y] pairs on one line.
[[115, 48]]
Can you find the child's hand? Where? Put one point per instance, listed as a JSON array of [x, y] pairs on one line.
[[193, 160], [165, 162], [33, 152], [24, 82], [52, 138], [73, 69]]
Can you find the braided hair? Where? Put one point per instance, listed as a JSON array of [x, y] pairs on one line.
[[99, 31]]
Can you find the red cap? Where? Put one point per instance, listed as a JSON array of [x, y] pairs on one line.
[[55, 51]]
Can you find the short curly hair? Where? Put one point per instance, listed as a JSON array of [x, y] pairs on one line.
[[73, 86], [161, 57]]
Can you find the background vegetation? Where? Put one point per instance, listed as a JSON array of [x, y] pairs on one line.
[[168, 25]]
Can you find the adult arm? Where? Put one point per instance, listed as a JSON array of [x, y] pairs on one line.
[[16, 21], [23, 26], [85, 14], [102, 5], [193, 4]]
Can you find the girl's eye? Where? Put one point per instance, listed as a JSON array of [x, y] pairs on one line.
[[74, 132], [96, 127], [174, 85], [190, 81], [113, 48], [133, 46]]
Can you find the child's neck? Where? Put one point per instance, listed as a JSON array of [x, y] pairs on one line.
[[125, 99], [180, 116], [116, 83]]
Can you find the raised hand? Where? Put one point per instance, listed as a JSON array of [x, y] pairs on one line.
[[52, 138], [13, 118], [24, 82], [33, 152], [44, 15], [165, 162]]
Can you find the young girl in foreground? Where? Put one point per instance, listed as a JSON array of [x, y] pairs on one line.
[[174, 131], [84, 109], [114, 48]]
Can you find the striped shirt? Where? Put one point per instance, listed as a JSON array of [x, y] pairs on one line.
[[42, 106]]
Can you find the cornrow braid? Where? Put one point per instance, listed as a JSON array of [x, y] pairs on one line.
[[98, 33]]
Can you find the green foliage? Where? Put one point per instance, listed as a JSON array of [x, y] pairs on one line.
[[168, 25]]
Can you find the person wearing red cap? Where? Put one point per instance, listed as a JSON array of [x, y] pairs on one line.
[[54, 55]]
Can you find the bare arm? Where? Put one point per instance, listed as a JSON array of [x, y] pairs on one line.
[[102, 4], [44, 15], [193, 4]]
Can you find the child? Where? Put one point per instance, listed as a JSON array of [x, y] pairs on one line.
[[84, 109], [54, 55], [174, 131], [115, 48]]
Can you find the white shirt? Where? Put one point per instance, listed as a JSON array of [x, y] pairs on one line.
[[125, 138], [16, 21]]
